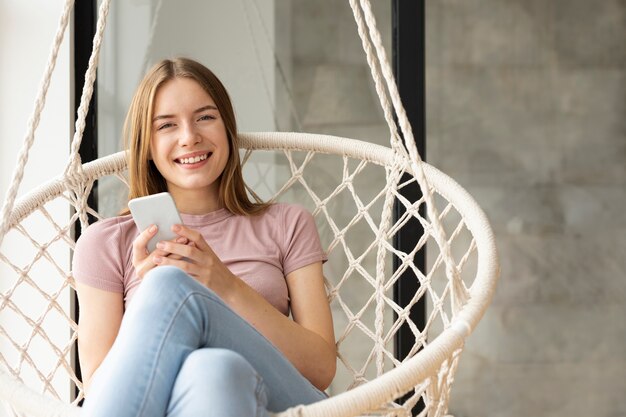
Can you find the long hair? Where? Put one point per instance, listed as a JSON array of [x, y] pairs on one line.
[[144, 177]]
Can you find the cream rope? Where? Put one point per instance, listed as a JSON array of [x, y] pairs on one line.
[[378, 391], [74, 167], [428, 374], [33, 122], [460, 293], [396, 143], [73, 173]]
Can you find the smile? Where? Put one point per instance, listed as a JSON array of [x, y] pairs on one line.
[[193, 159]]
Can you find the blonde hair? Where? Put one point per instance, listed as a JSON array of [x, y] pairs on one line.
[[144, 177]]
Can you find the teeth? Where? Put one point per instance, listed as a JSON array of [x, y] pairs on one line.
[[193, 160]]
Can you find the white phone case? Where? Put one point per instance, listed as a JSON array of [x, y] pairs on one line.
[[156, 209]]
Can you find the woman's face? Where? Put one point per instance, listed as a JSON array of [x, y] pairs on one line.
[[189, 143]]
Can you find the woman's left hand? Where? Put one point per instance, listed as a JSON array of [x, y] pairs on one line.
[[198, 260]]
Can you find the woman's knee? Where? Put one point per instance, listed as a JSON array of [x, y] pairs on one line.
[[219, 382], [163, 281], [218, 365]]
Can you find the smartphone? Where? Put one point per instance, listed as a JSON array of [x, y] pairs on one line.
[[156, 209]]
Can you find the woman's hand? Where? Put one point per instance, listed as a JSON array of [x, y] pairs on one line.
[[197, 259], [144, 261]]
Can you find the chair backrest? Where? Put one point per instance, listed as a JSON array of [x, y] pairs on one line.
[[343, 182]]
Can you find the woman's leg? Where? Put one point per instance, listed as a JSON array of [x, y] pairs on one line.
[[171, 316], [217, 382]]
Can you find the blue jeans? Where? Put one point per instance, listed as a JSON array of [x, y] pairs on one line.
[[181, 351]]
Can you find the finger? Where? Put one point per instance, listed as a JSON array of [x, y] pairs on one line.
[[145, 266], [160, 252], [140, 243], [191, 234], [164, 253], [188, 267], [178, 249], [182, 240]]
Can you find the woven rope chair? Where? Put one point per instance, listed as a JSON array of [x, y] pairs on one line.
[[457, 284]]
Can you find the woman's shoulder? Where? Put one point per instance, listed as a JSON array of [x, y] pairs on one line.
[[287, 208], [282, 213], [106, 229], [102, 252]]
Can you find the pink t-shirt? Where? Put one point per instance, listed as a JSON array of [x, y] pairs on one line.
[[261, 250]]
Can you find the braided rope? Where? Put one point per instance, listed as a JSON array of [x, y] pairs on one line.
[[432, 385], [33, 122], [74, 167], [73, 173], [433, 369], [460, 294], [396, 142]]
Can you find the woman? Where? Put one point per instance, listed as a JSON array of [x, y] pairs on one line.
[[200, 326]]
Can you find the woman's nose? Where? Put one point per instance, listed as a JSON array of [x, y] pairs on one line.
[[188, 135]]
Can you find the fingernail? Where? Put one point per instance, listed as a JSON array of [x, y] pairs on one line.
[[160, 245], [181, 240], [153, 228], [176, 227], [158, 259]]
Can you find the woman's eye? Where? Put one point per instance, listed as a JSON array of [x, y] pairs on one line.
[[206, 117], [165, 126]]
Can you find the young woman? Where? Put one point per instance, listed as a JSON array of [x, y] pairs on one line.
[[200, 326]]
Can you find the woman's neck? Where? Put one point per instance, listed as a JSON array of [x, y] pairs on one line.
[[195, 201]]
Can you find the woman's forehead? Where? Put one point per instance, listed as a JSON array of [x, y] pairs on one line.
[[181, 93]]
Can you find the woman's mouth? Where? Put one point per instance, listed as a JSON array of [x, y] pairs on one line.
[[193, 160]]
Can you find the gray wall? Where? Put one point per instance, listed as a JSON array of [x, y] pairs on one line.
[[526, 104], [525, 109]]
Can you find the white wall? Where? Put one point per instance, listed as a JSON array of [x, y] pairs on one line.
[[230, 39], [26, 32], [227, 37]]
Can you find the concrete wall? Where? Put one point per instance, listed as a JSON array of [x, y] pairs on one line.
[[526, 104], [525, 108]]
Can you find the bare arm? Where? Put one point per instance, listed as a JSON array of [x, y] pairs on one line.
[[307, 341], [100, 318]]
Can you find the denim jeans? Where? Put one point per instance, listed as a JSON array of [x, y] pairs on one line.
[[181, 351]]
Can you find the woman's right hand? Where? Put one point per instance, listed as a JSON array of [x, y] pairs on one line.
[[144, 261]]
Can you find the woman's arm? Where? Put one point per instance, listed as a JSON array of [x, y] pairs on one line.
[[307, 341], [99, 321]]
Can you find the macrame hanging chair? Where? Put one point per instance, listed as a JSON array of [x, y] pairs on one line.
[[457, 284]]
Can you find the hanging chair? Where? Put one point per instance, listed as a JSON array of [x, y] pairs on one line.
[[457, 285]]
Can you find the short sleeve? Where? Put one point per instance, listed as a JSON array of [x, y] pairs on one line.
[[97, 260], [302, 240]]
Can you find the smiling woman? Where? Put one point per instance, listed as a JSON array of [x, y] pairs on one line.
[[183, 106], [189, 146], [208, 328], [207, 331]]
